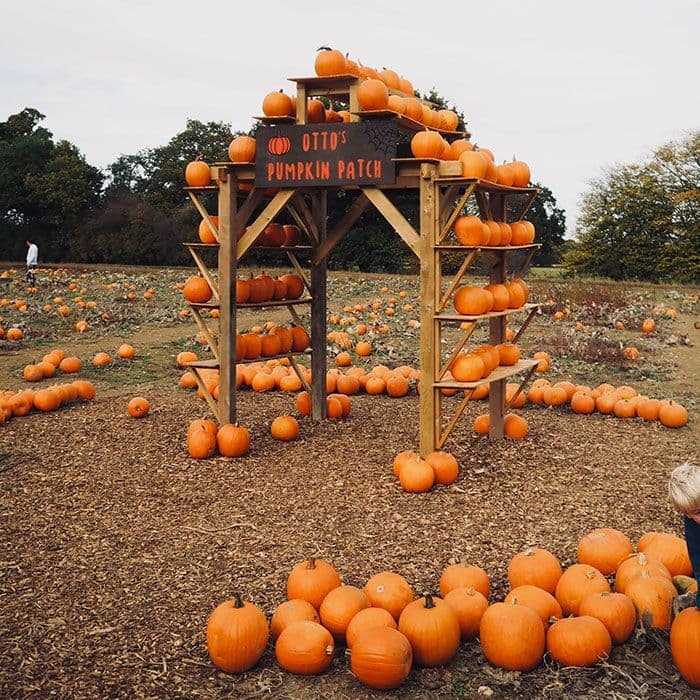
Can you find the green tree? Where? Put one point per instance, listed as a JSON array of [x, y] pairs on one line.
[[158, 174], [550, 226], [46, 188], [642, 221]]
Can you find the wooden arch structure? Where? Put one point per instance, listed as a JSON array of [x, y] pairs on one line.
[[442, 193]]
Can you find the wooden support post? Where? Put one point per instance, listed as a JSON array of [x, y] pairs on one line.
[[497, 332], [228, 226], [430, 353], [318, 310]]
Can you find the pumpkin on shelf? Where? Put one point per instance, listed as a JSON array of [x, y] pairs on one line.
[[197, 173], [277, 104], [242, 149], [329, 62], [372, 94], [197, 290], [427, 144]]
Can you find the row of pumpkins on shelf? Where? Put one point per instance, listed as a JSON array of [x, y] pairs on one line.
[[373, 94], [478, 163], [258, 289], [469, 231], [274, 235], [472, 300], [572, 614]]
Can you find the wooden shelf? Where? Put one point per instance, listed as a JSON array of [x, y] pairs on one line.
[[406, 123], [491, 314], [489, 248], [214, 364], [279, 302], [207, 305], [284, 248], [254, 305], [206, 188], [277, 120], [486, 185], [497, 374]]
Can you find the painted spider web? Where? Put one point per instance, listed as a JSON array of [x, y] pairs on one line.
[[381, 134]]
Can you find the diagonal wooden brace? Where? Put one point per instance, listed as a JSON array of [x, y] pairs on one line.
[[395, 218]]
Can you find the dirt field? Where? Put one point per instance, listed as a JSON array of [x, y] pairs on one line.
[[116, 545]]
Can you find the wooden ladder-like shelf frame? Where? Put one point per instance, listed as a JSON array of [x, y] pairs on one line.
[[442, 195]]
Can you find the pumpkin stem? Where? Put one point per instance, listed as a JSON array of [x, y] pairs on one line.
[[429, 602], [324, 48], [311, 564], [237, 602]]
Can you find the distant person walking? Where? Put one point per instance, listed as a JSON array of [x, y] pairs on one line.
[[32, 259]]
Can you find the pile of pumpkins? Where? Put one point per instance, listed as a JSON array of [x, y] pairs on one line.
[[475, 232], [21, 403], [572, 614], [621, 401]]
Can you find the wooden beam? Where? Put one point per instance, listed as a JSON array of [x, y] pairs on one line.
[[299, 373], [205, 215], [525, 323], [497, 331], [518, 391], [211, 402], [457, 350], [395, 218], [456, 211], [318, 311], [274, 207], [299, 208], [206, 332], [453, 421], [446, 199], [229, 224], [429, 352], [483, 203], [299, 269], [354, 212], [457, 279], [204, 271]]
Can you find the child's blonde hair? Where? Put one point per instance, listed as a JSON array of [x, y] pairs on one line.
[[684, 488]]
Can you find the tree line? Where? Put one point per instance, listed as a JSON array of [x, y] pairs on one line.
[[638, 221], [642, 220]]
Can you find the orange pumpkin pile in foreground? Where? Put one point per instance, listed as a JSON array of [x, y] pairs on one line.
[[571, 613]]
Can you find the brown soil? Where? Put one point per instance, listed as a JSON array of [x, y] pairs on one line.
[[116, 546]]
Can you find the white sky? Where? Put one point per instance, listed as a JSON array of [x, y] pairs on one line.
[[569, 88]]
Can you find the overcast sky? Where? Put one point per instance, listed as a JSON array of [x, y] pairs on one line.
[[569, 88]]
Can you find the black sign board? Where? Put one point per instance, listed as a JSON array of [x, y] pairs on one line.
[[313, 155]]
